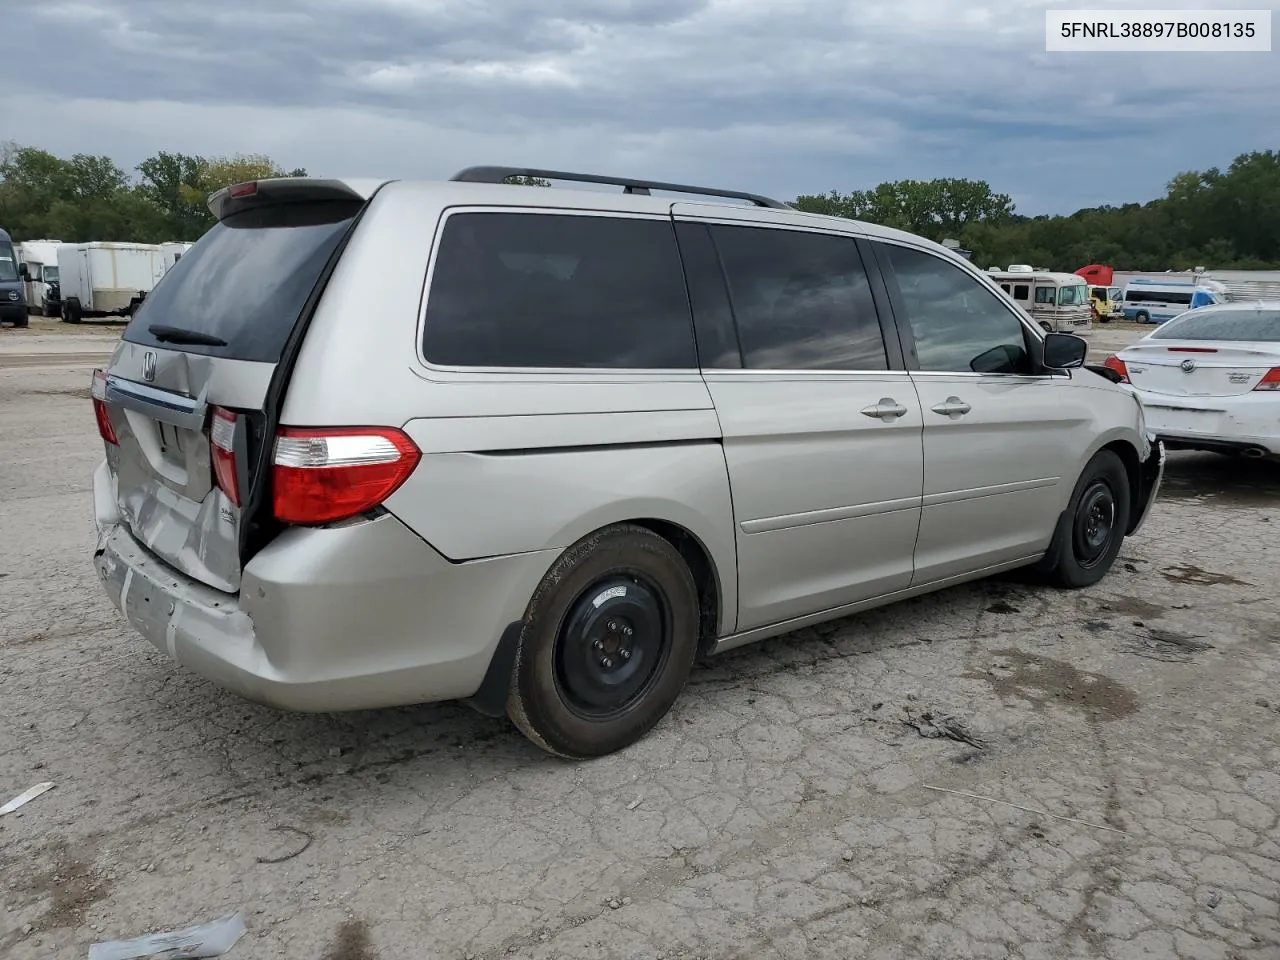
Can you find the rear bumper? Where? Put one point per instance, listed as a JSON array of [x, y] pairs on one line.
[[347, 618], [1246, 422]]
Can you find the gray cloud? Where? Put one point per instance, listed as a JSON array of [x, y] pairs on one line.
[[785, 97]]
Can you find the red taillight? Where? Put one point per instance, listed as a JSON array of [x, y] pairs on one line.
[[247, 189], [1192, 350], [1116, 364], [1271, 381], [99, 393], [321, 475], [222, 450]]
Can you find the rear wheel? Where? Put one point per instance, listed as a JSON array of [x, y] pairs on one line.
[[71, 310], [1091, 530], [608, 643], [1142, 316]]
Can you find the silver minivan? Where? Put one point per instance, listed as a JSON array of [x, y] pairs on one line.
[[373, 443]]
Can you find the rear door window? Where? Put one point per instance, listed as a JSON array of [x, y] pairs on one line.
[[558, 291], [801, 301], [246, 281]]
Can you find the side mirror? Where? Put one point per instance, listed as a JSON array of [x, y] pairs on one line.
[[1063, 351], [24, 271]]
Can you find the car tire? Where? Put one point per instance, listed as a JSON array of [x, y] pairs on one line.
[[71, 310], [1046, 327], [21, 322], [1091, 530], [1142, 317], [608, 642]]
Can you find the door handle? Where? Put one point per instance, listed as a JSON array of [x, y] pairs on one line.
[[887, 409], [952, 407]]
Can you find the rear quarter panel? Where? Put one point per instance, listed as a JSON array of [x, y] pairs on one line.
[[512, 462]]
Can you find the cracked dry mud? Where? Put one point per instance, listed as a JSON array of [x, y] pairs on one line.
[[781, 811]]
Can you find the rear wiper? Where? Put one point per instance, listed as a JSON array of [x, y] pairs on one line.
[[167, 334]]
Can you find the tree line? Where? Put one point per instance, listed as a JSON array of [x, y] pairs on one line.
[[1217, 219]]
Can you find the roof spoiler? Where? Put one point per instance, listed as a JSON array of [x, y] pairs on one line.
[[255, 193]]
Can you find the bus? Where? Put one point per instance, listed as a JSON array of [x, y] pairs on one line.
[[1155, 301], [1058, 302]]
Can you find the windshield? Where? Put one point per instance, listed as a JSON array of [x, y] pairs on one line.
[[8, 265], [1072, 296], [50, 273], [1115, 293], [1231, 325]]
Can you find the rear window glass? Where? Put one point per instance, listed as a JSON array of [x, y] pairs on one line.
[[1223, 325], [246, 280], [558, 291]]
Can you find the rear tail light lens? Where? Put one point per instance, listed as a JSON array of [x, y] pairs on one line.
[[99, 393], [322, 475], [246, 189], [1116, 364], [222, 451], [1271, 381]]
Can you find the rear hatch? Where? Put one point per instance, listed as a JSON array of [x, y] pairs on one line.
[[187, 403]]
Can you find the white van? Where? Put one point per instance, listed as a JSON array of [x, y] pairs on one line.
[[1155, 301], [1058, 302]]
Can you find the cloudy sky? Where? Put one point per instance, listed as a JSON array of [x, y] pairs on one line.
[[777, 96]]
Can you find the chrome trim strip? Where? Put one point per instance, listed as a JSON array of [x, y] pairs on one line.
[[172, 408], [829, 515], [994, 490]]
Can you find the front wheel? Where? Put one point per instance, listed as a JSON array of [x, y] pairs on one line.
[[608, 642], [1046, 327], [1092, 529], [1142, 316]]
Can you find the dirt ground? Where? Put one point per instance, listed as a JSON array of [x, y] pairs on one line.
[[995, 771]]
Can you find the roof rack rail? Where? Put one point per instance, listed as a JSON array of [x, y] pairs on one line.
[[642, 187]]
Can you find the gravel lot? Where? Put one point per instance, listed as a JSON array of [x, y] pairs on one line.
[[784, 809]]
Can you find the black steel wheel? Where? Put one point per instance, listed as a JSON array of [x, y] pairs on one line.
[[609, 639], [611, 646], [1091, 530], [1094, 524]]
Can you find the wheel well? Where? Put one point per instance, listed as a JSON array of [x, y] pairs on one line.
[[704, 575], [1132, 469]]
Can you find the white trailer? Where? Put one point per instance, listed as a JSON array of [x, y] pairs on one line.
[[172, 250], [41, 258], [106, 279]]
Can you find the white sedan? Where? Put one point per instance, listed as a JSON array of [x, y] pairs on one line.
[[1209, 379]]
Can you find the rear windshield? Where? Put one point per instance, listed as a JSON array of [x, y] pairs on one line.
[[246, 280], [1240, 325]]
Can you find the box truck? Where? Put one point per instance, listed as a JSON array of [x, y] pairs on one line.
[[106, 279], [41, 259], [172, 251]]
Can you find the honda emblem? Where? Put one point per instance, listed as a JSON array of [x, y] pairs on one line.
[[148, 366]]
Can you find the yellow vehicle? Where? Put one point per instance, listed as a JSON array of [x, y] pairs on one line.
[[1105, 304]]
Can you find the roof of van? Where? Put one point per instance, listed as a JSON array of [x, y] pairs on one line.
[[457, 192]]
